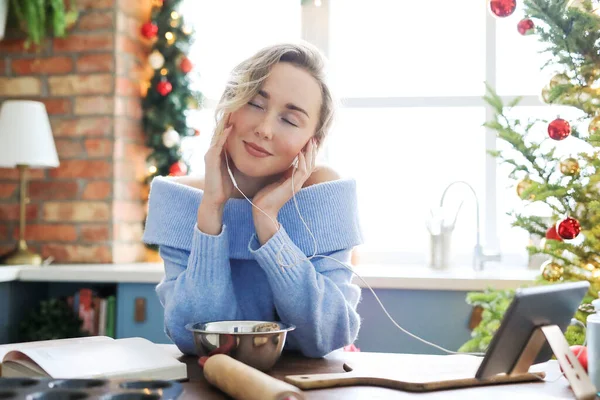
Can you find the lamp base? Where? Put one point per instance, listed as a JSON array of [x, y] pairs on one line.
[[21, 255]]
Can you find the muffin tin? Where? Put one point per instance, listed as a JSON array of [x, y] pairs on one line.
[[89, 389]]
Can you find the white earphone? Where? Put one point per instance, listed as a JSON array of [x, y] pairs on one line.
[[230, 173]]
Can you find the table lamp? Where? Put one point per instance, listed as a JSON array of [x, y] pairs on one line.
[[25, 142]]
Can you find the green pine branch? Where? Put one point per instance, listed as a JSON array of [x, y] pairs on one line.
[[564, 195]]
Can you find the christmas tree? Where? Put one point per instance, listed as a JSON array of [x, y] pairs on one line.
[[569, 187], [169, 93]]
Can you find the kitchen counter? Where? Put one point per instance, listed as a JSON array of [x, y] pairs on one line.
[[377, 276]]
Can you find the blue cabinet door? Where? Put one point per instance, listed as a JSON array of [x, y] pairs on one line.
[[438, 316], [4, 312], [143, 297]]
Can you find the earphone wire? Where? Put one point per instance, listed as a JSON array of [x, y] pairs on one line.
[[315, 255]]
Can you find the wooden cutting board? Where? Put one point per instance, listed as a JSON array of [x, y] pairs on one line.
[[417, 373]]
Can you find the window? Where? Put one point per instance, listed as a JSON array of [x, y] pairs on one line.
[[519, 59], [406, 49], [402, 171], [410, 77]]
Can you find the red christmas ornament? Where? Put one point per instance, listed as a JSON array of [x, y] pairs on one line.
[[164, 87], [580, 352], [178, 169], [568, 228], [525, 26], [503, 8], [559, 129], [551, 233], [149, 30], [185, 65]]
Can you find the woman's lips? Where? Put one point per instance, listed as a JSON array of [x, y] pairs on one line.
[[255, 150]]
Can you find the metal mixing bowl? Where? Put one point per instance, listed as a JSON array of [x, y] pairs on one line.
[[255, 343]]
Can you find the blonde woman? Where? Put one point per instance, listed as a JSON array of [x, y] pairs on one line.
[[228, 259]]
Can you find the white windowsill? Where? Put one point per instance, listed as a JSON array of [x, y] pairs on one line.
[[416, 277], [420, 277]]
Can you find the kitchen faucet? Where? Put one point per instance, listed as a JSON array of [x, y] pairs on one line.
[[479, 256]]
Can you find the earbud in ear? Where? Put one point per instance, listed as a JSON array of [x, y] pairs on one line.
[[295, 162]]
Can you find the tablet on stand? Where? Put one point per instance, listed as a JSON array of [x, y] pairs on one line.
[[532, 331]]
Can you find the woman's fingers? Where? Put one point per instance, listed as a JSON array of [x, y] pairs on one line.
[[217, 138], [302, 164], [216, 148], [226, 133], [314, 154], [223, 138], [311, 155]]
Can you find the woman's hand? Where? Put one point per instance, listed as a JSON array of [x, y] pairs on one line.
[[218, 186], [272, 197]]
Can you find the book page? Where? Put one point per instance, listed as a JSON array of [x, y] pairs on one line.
[[21, 366], [5, 348], [130, 357]]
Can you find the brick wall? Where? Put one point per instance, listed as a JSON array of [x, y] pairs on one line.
[[91, 208]]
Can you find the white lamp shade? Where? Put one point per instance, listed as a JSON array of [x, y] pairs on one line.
[[25, 135]]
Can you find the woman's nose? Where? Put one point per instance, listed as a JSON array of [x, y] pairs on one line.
[[265, 129]]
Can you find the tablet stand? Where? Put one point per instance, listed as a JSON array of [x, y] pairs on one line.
[[582, 386]]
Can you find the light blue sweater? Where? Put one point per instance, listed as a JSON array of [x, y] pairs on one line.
[[229, 276]]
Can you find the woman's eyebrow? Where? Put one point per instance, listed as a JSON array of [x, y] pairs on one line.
[[289, 106]]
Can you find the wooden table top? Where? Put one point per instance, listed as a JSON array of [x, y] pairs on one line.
[[555, 386]]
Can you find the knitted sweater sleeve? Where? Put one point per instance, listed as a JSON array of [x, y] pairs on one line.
[[317, 295], [197, 286]]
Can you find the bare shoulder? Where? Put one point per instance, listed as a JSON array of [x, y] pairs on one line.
[[192, 181], [321, 174]]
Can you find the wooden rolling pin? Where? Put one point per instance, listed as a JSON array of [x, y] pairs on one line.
[[243, 382]]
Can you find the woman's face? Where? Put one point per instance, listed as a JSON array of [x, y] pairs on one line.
[[273, 127]]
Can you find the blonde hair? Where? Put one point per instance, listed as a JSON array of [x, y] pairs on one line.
[[247, 78]]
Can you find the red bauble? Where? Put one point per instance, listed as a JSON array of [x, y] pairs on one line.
[[185, 65], [552, 234], [503, 8], [149, 30], [178, 169], [568, 228], [525, 26], [580, 352], [559, 129], [164, 87]]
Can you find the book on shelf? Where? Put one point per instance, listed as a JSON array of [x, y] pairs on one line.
[[96, 312]]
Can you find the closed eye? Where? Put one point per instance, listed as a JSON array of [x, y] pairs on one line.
[[254, 105], [289, 122]]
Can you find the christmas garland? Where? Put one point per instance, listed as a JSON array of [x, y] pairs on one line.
[[167, 96]]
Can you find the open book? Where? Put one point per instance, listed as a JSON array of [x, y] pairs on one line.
[[91, 357]]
